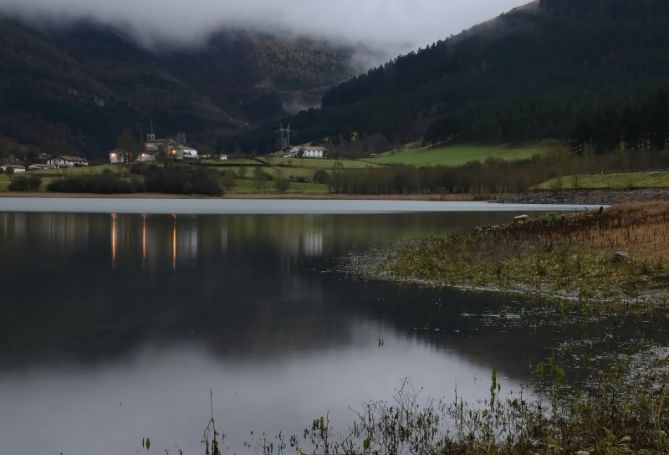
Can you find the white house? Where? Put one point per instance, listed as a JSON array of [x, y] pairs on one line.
[[15, 168], [224, 158], [313, 151], [67, 161], [189, 154], [146, 157], [116, 157]]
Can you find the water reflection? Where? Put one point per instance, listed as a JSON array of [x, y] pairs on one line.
[[116, 326], [182, 243]]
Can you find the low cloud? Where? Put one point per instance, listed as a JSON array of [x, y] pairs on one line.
[[388, 27]]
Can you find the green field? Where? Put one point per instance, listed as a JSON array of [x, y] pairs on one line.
[[235, 162], [275, 171], [619, 181], [314, 163], [96, 169], [456, 155]]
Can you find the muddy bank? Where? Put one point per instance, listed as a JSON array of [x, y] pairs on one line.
[[586, 197]]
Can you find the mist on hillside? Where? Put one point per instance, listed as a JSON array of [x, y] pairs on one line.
[[382, 28]]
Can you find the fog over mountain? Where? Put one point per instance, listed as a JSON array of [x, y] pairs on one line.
[[388, 27]]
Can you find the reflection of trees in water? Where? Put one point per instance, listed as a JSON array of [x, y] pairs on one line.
[[234, 283]]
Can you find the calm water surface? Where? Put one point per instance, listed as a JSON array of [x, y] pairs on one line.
[[116, 326]]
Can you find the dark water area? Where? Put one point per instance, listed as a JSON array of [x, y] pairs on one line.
[[116, 327]]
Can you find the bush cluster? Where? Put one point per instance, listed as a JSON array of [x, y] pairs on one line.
[[25, 183], [181, 180], [101, 183], [322, 176], [493, 176], [148, 179]]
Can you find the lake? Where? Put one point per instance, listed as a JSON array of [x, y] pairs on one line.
[[120, 316]]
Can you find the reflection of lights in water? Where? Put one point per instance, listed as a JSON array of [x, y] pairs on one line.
[[174, 242], [20, 225], [114, 236], [313, 243], [188, 241], [144, 240], [224, 240]]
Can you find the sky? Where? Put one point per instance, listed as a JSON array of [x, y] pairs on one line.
[[393, 26]]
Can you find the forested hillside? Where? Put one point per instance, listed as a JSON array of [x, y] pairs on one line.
[[76, 87], [587, 70]]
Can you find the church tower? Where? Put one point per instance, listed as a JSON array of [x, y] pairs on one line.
[[151, 137]]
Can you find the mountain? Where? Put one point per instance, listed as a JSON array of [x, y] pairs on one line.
[[550, 69], [76, 87]]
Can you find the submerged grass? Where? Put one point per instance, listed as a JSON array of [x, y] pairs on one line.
[[615, 255], [628, 412]]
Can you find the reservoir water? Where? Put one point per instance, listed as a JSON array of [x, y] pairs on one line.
[[118, 318]]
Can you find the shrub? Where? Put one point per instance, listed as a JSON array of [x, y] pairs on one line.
[[25, 183], [165, 180], [205, 182], [282, 185], [106, 183], [228, 180], [181, 180], [260, 174], [321, 176]]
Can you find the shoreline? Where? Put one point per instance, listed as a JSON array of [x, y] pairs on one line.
[[253, 196], [562, 197], [610, 258]]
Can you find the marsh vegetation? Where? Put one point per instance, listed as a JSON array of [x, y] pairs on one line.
[[615, 255]]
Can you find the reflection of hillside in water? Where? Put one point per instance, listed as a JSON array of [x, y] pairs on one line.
[[243, 285]]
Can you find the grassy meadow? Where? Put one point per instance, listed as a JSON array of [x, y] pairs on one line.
[[325, 163], [457, 155], [612, 181]]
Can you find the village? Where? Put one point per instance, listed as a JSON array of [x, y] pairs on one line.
[[156, 149]]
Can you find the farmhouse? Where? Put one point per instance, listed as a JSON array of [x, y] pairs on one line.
[[306, 151], [14, 168], [175, 149], [314, 151], [67, 161], [189, 154], [147, 157], [293, 152], [167, 148], [116, 157]]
